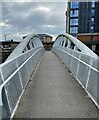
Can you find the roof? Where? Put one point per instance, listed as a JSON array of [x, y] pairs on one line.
[[9, 41], [44, 35]]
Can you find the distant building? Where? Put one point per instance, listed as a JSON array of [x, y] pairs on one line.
[[45, 37], [9, 44], [6, 47], [47, 41], [82, 18], [91, 40]]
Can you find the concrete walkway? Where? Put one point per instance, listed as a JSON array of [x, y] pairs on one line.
[[54, 93]]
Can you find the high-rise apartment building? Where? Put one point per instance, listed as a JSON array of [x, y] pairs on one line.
[[82, 21], [82, 17]]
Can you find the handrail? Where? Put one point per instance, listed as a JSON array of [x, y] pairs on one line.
[[90, 83], [80, 60], [35, 56], [9, 78]]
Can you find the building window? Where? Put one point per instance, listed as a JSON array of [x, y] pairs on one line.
[[92, 28], [92, 19], [73, 30], [71, 13], [74, 4], [73, 21], [74, 13], [93, 12], [93, 4]]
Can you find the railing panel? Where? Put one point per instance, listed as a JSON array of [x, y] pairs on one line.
[[93, 84], [66, 58], [27, 55], [95, 63], [82, 74], [86, 59], [21, 59], [83, 71], [5, 110], [14, 90], [8, 69], [74, 66], [75, 63], [23, 75], [30, 67]]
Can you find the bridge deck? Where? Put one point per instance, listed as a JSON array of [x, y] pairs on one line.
[[54, 93]]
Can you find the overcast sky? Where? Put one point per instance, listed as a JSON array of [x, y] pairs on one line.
[[22, 18]]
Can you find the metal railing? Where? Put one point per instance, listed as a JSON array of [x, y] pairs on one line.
[[14, 76], [16, 71], [85, 68]]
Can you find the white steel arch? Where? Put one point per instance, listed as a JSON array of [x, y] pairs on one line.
[[32, 40], [78, 44]]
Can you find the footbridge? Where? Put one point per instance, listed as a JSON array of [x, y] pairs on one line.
[[61, 83]]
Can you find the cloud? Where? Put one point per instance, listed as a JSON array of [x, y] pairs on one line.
[[41, 8], [34, 0], [40, 17], [3, 24]]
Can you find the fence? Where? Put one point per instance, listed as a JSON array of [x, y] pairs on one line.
[[14, 76], [84, 68]]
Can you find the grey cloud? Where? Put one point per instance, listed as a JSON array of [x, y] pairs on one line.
[[24, 17]]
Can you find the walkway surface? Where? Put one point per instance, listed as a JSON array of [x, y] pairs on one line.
[[54, 93]]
